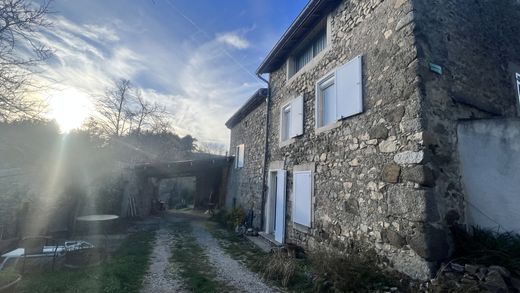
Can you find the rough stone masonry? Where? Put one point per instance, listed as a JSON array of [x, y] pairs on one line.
[[389, 178]]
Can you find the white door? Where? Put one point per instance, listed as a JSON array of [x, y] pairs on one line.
[[279, 229]]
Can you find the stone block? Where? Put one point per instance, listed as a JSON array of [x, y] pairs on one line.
[[391, 173], [419, 174], [412, 204], [352, 206], [429, 242], [406, 20], [395, 115], [388, 146], [409, 157], [378, 132], [394, 238]]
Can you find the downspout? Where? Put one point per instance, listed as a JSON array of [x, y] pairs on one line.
[[266, 143]]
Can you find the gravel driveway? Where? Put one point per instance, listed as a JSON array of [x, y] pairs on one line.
[[162, 277], [228, 270]]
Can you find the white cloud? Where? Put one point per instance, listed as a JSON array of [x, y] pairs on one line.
[[200, 85], [234, 40], [102, 33]]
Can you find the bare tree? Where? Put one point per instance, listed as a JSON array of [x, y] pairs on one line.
[[148, 114], [20, 53], [115, 108]]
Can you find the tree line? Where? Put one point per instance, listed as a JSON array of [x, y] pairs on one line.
[[121, 110]]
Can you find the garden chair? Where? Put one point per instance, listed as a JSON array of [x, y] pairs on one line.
[[38, 246]]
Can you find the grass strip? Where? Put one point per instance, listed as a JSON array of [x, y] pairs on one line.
[[124, 272], [193, 262], [242, 250]]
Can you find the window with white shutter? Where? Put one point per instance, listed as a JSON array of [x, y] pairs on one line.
[[339, 94], [302, 201], [291, 119], [297, 117], [286, 123]]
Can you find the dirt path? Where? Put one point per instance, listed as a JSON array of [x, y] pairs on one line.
[[161, 277], [228, 269]]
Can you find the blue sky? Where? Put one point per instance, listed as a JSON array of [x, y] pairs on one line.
[[196, 57]]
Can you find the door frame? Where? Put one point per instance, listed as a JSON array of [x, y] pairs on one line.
[[271, 206]]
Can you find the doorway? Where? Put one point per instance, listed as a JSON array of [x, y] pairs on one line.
[[275, 207]]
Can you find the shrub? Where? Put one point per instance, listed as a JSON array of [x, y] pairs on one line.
[[232, 219], [236, 217], [356, 271], [486, 247], [280, 267]]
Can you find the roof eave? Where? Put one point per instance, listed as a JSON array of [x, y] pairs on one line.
[[252, 103], [309, 11]]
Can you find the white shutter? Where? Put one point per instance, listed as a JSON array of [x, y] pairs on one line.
[[279, 229], [349, 89], [241, 156], [302, 202], [297, 117]]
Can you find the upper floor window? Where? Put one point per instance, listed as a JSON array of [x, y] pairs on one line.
[[310, 49], [315, 46], [291, 119], [286, 122], [339, 94]]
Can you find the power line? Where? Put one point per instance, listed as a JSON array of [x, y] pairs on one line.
[[196, 26]]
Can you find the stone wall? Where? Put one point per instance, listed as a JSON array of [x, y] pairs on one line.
[[476, 44], [368, 185], [244, 186]]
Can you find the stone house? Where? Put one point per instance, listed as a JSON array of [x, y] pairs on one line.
[[370, 117]]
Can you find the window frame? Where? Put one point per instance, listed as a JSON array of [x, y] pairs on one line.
[[285, 122], [322, 84], [325, 25], [310, 48]]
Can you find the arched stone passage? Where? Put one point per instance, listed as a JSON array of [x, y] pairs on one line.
[[142, 186]]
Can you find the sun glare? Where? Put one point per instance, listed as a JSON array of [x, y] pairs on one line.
[[69, 108]]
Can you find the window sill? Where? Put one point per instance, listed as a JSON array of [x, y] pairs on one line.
[[301, 228], [287, 142], [322, 129], [309, 65]]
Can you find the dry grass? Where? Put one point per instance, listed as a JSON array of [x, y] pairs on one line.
[[281, 267]]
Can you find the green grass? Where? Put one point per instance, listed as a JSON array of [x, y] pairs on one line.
[[123, 272], [194, 266], [8, 276]]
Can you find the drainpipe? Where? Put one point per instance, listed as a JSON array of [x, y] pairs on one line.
[[264, 189]]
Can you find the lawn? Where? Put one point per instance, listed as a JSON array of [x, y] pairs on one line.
[[123, 272]]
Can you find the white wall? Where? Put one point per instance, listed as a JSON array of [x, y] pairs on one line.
[[490, 155]]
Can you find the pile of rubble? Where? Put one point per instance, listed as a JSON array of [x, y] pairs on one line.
[[473, 278]]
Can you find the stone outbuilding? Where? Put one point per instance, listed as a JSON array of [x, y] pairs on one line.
[[357, 137]]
